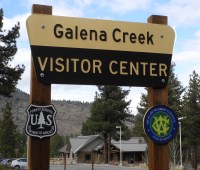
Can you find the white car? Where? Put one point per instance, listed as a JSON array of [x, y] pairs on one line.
[[20, 163]]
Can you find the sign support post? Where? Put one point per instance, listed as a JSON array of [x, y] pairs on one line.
[[40, 94], [158, 155]]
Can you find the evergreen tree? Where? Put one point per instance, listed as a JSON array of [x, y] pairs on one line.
[[21, 144], [138, 130], [109, 109], [8, 133], [175, 92], [56, 143], [8, 76], [191, 125]]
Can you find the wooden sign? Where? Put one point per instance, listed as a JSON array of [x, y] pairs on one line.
[[84, 33], [112, 39], [100, 52]]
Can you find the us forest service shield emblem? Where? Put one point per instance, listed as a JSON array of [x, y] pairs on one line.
[[160, 124], [40, 121]]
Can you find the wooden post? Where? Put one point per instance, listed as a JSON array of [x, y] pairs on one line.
[[158, 155], [40, 94], [92, 160], [64, 161]]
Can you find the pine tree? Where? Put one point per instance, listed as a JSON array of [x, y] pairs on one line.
[[21, 144], [56, 143], [8, 133], [109, 109], [175, 91], [41, 120], [191, 125], [138, 119], [8, 76]]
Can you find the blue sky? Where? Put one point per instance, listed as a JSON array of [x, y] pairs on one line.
[[183, 16]]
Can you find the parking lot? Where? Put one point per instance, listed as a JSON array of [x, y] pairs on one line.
[[96, 167]]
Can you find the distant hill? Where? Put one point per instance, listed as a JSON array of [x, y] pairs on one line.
[[69, 118]]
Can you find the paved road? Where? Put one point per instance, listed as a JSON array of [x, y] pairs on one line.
[[96, 167]]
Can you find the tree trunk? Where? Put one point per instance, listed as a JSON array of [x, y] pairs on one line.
[[105, 149], [194, 157]]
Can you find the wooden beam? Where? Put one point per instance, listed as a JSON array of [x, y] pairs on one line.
[[158, 155], [40, 94]]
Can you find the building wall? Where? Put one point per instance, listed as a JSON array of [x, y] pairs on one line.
[[134, 157], [98, 158], [86, 157]]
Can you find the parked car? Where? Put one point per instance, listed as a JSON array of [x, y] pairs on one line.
[[20, 163], [6, 162], [1, 159]]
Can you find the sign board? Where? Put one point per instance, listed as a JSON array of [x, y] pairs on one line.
[[41, 121], [100, 52], [160, 124]]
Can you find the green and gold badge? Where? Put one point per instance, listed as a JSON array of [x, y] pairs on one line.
[[160, 124]]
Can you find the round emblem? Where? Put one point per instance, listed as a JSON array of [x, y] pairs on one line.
[[160, 124]]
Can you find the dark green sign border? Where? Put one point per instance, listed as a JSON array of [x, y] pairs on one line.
[[160, 124]]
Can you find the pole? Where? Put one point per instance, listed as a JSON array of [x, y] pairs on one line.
[[180, 137], [181, 160], [40, 94], [92, 161], [120, 144], [158, 155], [64, 161]]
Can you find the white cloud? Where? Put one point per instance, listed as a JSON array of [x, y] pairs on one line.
[[187, 59], [189, 50], [181, 12], [83, 3], [193, 43], [125, 6], [60, 7], [134, 96], [23, 56], [67, 11], [74, 92], [197, 34], [80, 7]]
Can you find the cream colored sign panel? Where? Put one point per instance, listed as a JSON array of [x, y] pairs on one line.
[[56, 31]]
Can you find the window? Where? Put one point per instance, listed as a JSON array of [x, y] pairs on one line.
[[87, 157]]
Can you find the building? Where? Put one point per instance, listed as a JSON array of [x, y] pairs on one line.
[[133, 150], [85, 149]]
